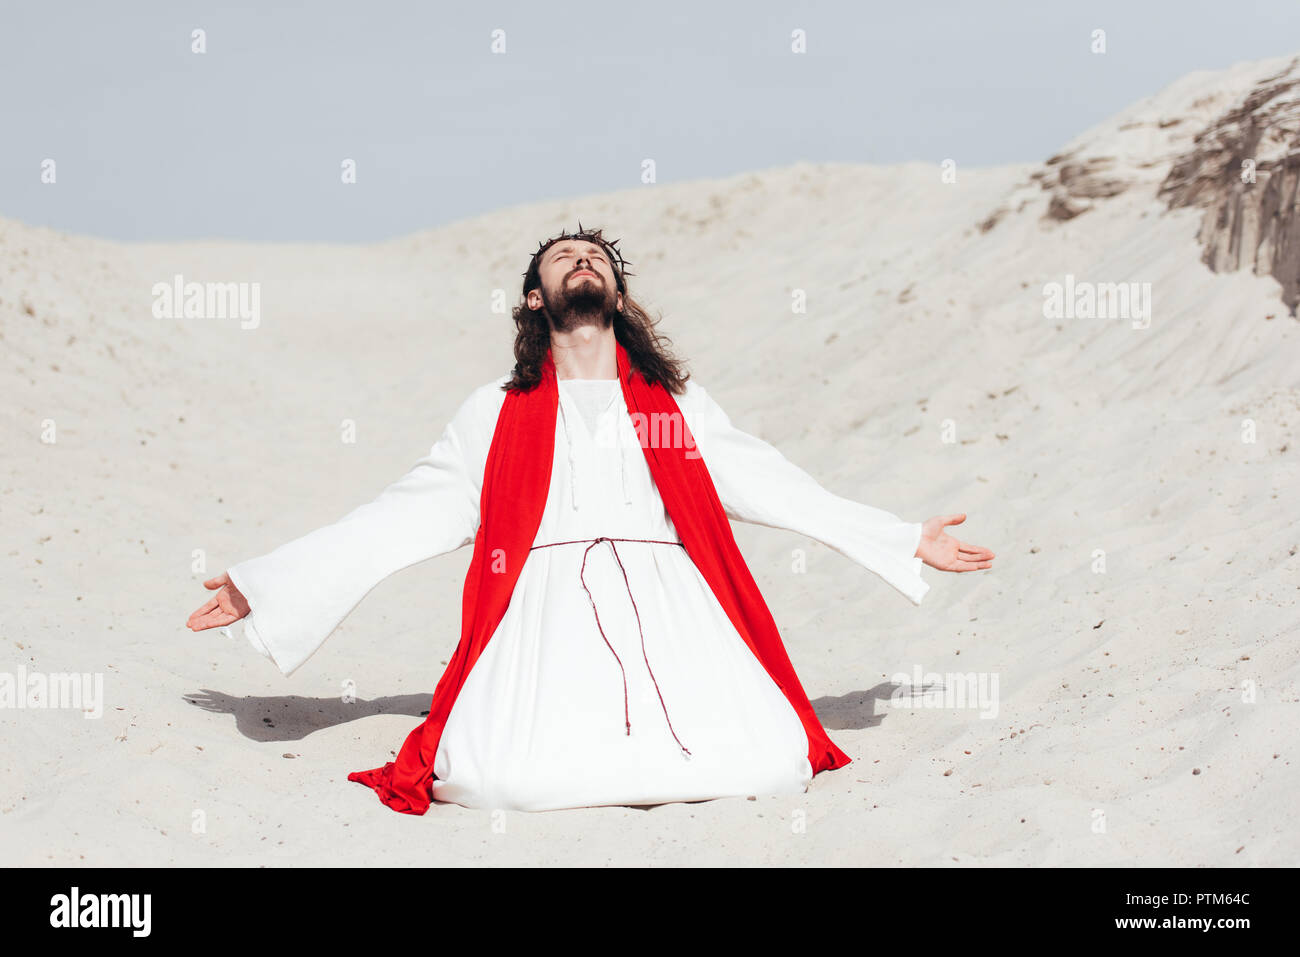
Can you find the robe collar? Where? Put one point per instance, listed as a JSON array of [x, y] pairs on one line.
[[569, 442]]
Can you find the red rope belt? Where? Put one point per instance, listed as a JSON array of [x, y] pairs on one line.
[[595, 541]]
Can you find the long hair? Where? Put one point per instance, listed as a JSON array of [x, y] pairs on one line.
[[647, 350]]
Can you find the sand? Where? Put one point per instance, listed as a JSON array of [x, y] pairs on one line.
[[1141, 618]]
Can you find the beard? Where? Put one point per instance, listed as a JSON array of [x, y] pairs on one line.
[[587, 302]]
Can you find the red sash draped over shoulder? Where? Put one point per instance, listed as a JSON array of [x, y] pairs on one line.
[[516, 481]]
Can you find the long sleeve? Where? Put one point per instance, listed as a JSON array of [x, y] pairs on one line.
[[300, 592], [759, 485]]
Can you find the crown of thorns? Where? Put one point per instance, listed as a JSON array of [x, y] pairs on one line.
[[616, 259]]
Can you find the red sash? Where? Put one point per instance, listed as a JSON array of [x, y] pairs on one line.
[[516, 481]]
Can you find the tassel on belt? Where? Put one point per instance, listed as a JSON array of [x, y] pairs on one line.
[[593, 542]]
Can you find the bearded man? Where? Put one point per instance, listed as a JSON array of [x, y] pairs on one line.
[[614, 647]]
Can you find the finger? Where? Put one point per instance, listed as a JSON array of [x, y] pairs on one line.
[[974, 550], [212, 615], [961, 566], [207, 606], [215, 620], [216, 582], [954, 519]]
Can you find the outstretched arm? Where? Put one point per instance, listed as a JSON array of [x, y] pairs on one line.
[[298, 594], [759, 485]]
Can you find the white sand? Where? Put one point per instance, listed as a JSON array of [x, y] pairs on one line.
[[1073, 435]]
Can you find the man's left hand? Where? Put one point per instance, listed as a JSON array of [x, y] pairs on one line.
[[940, 550]]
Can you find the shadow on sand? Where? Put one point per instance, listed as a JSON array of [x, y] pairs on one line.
[[856, 710], [292, 718]]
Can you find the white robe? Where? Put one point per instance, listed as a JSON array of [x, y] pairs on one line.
[[539, 723]]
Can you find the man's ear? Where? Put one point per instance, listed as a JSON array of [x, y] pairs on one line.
[[620, 302]]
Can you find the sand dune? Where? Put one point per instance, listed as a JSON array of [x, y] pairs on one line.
[[1141, 620]]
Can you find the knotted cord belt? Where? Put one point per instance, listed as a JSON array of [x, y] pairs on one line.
[[595, 541]]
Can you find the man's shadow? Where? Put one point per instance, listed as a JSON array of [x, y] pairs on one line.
[[292, 717], [856, 710]]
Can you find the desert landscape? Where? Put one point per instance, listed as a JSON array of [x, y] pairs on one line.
[[914, 336]]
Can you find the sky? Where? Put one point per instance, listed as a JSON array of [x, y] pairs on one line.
[[249, 139]]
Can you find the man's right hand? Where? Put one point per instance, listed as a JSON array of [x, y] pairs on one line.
[[224, 607]]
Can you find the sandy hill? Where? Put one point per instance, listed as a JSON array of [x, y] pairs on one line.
[[1135, 475]]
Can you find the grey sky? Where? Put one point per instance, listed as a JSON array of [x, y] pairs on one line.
[[245, 142]]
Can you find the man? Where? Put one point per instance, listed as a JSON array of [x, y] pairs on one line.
[[614, 647]]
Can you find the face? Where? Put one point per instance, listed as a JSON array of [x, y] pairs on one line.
[[578, 286]]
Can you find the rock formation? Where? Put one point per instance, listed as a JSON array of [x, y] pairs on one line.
[[1243, 171]]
